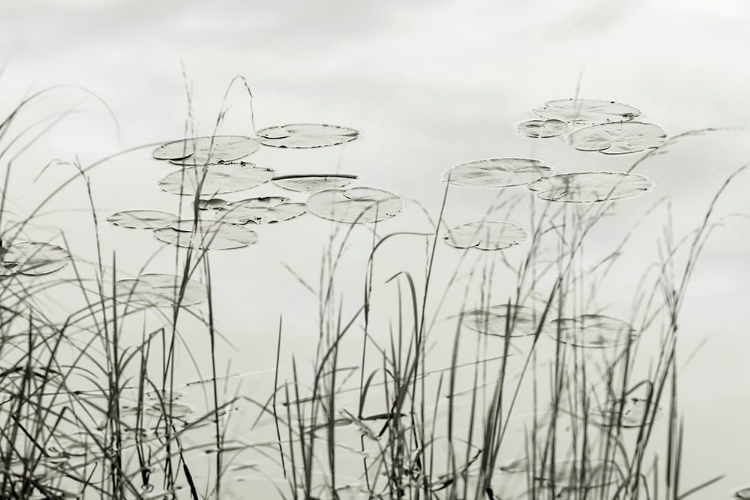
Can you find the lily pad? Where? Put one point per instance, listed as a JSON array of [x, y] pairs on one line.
[[202, 150], [160, 290], [572, 474], [635, 413], [175, 409], [142, 219], [567, 473], [592, 330], [543, 129], [219, 178], [495, 320], [486, 235], [587, 111], [313, 183], [306, 135], [497, 172], [258, 201], [743, 493], [591, 187], [618, 138], [355, 205], [262, 215], [32, 259], [208, 235], [212, 204]]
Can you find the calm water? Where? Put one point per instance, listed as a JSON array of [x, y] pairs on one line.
[[429, 87]]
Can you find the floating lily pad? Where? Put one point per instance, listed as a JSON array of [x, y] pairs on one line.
[[572, 474], [32, 259], [142, 219], [212, 204], [219, 178], [259, 201], [209, 235], [160, 290], [175, 409], [592, 330], [590, 187], [262, 215], [306, 135], [486, 235], [568, 473], [543, 129], [618, 138], [497, 172], [587, 111], [202, 150], [496, 321], [635, 413], [313, 183], [355, 205], [743, 493]]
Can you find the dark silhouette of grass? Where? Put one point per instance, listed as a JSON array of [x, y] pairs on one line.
[[49, 447]]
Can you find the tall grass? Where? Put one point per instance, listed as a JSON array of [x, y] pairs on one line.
[[75, 398]]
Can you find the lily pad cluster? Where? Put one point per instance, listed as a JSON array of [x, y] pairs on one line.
[[30, 258], [587, 330], [493, 173], [606, 127], [214, 166]]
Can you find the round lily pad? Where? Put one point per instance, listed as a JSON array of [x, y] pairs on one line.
[[313, 183], [587, 111], [486, 235], [592, 330], [219, 178], [202, 150], [175, 409], [355, 205], [568, 474], [543, 129], [618, 138], [212, 204], [590, 187], [635, 413], [496, 321], [32, 259], [160, 290], [262, 214], [209, 235], [497, 172], [142, 219], [306, 135]]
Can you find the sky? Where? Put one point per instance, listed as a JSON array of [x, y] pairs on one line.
[[430, 85]]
